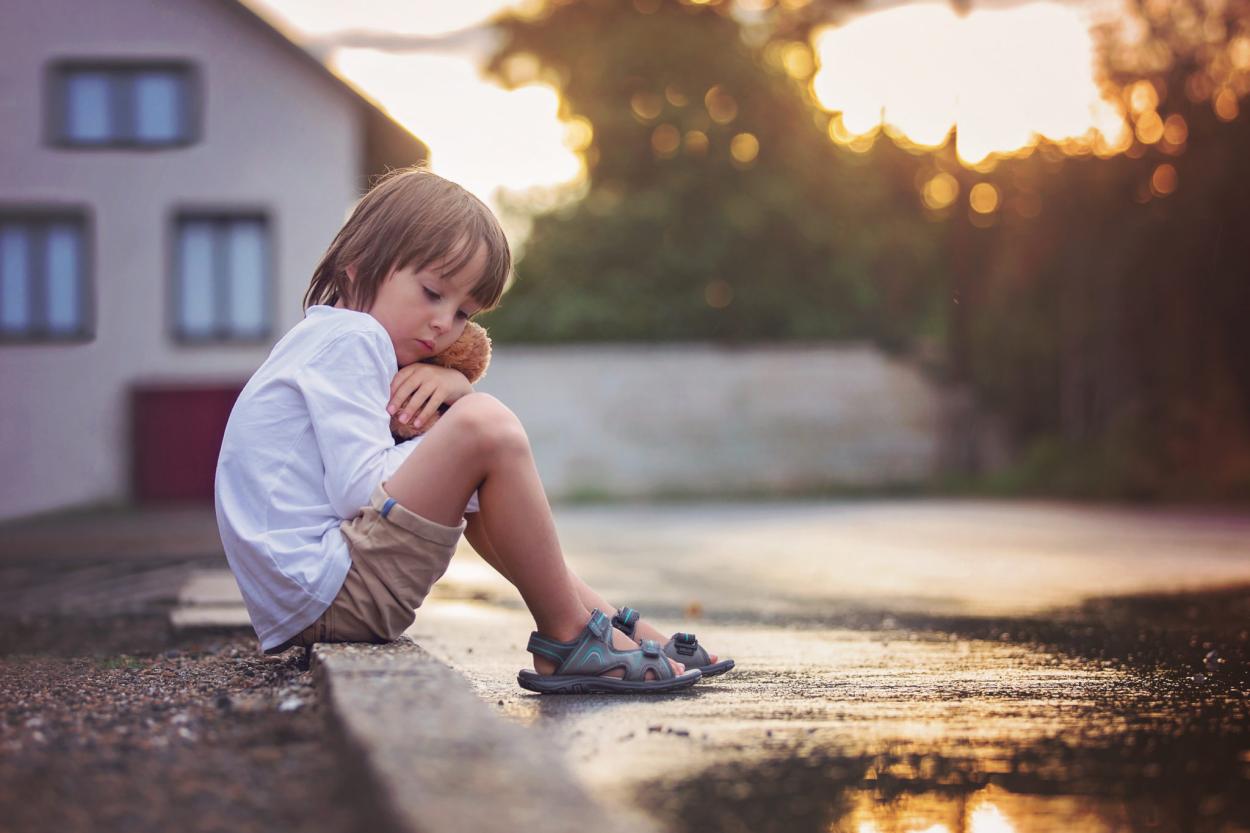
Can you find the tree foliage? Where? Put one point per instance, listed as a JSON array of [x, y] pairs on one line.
[[679, 239]]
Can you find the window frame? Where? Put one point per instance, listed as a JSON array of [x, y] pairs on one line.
[[218, 214], [46, 214], [55, 101]]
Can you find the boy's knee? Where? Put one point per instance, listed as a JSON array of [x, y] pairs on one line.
[[489, 423]]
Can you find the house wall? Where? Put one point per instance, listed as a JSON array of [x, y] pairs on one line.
[[277, 136]]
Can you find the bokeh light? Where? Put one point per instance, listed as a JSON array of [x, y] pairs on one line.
[[983, 198], [1149, 128], [1225, 104], [1142, 97], [940, 191], [1175, 131], [1239, 53], [1164, 179], [797, 60], [675, 96], [721, 106], [646, 106], [665, 140], [744, 148]]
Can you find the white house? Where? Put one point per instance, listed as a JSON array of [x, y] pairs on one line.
[[169, 174]]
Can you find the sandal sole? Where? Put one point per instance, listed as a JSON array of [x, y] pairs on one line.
[[552, 684], [716, 668]]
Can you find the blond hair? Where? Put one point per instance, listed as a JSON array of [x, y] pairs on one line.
[[411, 218]]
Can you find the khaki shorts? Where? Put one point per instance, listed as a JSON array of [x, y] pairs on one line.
[[397, 556]]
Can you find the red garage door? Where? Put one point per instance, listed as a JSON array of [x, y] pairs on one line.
[[177, 434]]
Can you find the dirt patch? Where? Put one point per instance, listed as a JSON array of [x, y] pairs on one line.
[[117, 725]]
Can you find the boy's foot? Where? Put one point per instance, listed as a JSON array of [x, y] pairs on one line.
[[619, 641], [645, 630], [585, 664], [683, 646]]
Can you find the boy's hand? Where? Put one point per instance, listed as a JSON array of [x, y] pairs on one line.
[[419, 389]]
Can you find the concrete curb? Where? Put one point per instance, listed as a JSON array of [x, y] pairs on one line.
[[436, 758]]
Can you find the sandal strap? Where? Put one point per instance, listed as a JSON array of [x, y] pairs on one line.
[[625, 620], [600, 626], [592, 654], [557, 651], [685, 648], [544, 646]]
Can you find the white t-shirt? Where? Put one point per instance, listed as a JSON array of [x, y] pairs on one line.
[[307, 443]]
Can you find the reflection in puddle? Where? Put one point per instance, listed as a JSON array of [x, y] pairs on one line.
[[1143, 780], [990, 809]]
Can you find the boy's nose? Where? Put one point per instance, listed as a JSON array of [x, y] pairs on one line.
[[442, 322]]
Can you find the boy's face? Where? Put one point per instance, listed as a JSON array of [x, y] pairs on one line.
[[425, 311]]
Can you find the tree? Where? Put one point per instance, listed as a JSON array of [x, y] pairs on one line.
[[716, 206], [1109, 328]]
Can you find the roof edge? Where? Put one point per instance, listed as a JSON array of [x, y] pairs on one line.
[[387, 142]]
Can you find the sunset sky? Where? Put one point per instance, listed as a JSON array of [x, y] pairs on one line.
[[1005, 72]]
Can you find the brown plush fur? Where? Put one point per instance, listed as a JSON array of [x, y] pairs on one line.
[[470, 354]]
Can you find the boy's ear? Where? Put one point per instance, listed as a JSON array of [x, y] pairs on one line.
[[351, 272]]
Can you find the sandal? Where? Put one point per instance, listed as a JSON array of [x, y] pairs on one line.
[[583, 663], [683, 647]]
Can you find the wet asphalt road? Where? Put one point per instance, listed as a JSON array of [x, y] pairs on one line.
[[920, 667]]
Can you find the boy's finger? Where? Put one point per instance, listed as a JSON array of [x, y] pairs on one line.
[[431, 408], [400, 394], [404, 375], [398, 398], [412, 404]]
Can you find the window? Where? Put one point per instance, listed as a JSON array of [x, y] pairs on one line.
[[222, 278], [140, 105], [43, 276]]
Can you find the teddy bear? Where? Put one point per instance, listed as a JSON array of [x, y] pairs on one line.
[[469, 354]]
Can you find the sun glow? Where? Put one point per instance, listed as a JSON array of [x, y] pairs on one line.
[[1003, 78], [487, 138], [480, 135]]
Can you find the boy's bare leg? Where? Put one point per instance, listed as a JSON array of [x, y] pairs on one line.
[[479, 444], [477, 535]]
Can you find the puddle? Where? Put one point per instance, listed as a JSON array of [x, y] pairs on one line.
[[1188, 772]]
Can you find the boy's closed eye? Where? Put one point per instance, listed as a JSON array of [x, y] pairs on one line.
[[434, 296]]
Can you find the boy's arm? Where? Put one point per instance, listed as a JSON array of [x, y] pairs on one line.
[[346, 387], [419, 390]]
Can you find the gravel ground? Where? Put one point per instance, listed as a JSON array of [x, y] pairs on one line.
[[115, 724]]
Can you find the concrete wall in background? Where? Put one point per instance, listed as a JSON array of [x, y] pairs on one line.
[[648, 421]]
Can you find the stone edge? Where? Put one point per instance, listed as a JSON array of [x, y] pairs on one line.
[[453, 765]]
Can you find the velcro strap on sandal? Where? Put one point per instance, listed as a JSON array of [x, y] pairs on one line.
[[650, 648], [625, 620], [599, 625], [549, 648], [685, 644]]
